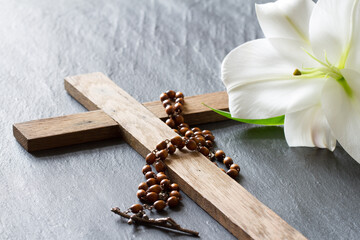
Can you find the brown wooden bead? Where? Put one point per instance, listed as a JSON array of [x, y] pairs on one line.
[[206, 132], [191, 145], [160, 166], [189, 133], [159, 205], [176, 140], [150, 158], [165, 184], [228, 161], [152, 197], [172, 201], [171, 94], [182, 145], [200, 140], [141, 194], [205, 151], [143, 186], [179, 95], [178, 119], [183, 130], [198, 133], [161, 145], [170, 122], [160, 176], [232, 173], [151, 181], [150, 174], [209, 137], [170, 110], [163, 154], [146, 169], [171, 148], [178, 107], [219, 154], [235, 166], [174, 186], [155, 188], [180, 100], [184, 125], [166, 102], [163, 97], [136, 208], [209, 143], [175, 194], [176, 131], [196, 129]]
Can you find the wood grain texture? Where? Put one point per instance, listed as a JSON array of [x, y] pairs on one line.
[[222, 197], [96, 125], [66, 130]]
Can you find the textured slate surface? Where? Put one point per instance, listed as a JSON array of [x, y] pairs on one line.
[[146, 47]]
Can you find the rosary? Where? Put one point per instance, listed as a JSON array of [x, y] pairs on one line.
[[158, 192]]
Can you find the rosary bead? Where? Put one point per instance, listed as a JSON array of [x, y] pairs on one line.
[[196, 129], [160, 176], [235, 166], [143, 186], [150, 174], [152, 197], [184, 125], [183, 130], [151, 181], [171, 94], [176, 140], [170, 110], [146, 169], [174, 186], [200, 140], [209, 143], [150, 158], [175, 194], [180, 100], [160, 166], [155, 188], [159, 205], [209, 137], [141, 194], [219, 154], [178, 107], [206, 132], [172, 201], [182, 145], [171, 148], [161, 145], [179, 95], [163, 97], [189, 133], [162, 154], [228, 161], [205, 151], [178, 119], [166, 102], [170, 122], [165, 184], [136, 208], [232, 173], [191, 145]]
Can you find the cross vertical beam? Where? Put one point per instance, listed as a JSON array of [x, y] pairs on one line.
[[218, 194]]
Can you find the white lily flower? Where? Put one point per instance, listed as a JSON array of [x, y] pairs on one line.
[[307, 68]]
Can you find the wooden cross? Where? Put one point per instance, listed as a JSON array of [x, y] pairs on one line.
[[115, 113]]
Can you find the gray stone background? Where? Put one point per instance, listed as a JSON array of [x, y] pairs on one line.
[[146, 47]]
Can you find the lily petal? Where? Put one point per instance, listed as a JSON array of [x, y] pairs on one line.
[[330, 34], [286, 19], [353, 59], [260, 82], [309, 128], [342, 111]]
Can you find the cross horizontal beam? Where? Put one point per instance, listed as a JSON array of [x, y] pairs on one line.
[[96, 125]]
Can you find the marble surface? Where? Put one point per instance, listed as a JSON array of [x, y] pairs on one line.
[[146, 47]]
